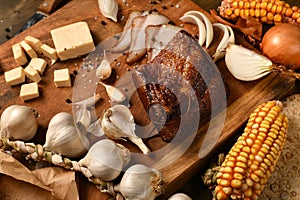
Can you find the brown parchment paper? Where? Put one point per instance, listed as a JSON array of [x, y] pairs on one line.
[[50, 183]]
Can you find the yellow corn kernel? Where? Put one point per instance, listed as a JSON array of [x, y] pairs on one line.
[[259, 152], [253, 4], [241, 4], [263, 13], [247, 5], [228, 11], [269, 7], [295, 15], [235, 4]]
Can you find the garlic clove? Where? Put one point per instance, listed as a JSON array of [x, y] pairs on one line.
[[195, 20], [245, 64], [118, 123], [62, 136], [228, 37], [18, 122], [104, 70], [114, 94], [208, 25], [91, 101], [180, 196], [105, 159], [109, 9], [140, 182]]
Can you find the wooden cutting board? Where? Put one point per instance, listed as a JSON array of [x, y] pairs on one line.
[[243, 97]]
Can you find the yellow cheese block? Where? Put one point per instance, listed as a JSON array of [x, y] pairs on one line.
[[62, 78], [15, 76], [72, 40], [39, 64], [34, 43], [19, 54], [29, 50], [29, 91], [49, 52], [32, 74]]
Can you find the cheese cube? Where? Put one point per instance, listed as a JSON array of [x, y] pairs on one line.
[[29, 50], [34, 43], [29, 91], [38, 64], [32, 74], [19, 54], [72, 40], [62, 78], [49, 52], [15, 76]]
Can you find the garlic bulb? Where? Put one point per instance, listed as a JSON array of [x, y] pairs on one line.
[[140, 182], [106, 159], [180, 196], [118, 123], [109, 9], [245, 64], [62, 137], [18, 122], [114, 94], [104, 70]]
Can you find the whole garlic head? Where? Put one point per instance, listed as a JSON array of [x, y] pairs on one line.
[[180, 196], [106, 159], [62, 136], [18, 122], [140, 182]]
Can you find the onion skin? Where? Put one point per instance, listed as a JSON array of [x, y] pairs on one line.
[[281, 44]]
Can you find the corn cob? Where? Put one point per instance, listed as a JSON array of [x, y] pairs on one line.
[[268, 11], [252, 159]]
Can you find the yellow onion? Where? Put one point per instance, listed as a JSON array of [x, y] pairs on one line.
[[281, 44]]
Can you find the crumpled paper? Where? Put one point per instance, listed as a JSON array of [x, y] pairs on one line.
[[18, 182]]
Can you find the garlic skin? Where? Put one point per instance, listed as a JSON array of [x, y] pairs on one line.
[[18, 122], [106, 159], [180, 196], [118, 123], [140, 182], [104, 70], [63, 138], [245, 64], [109, 9]]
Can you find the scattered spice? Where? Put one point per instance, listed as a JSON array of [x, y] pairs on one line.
[[103, 23], [164, 7]]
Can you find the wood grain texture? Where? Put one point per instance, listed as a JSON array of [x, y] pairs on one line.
[[243, 98]]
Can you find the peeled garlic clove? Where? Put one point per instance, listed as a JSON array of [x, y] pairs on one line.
[[118, 123], [18, 122], [228, 37], [109, 9], [140, 182], [63, 138], [195, 20], [180, 196], [245, 64], [104, 70], [114, 94], [105, 159], [208, 25]]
